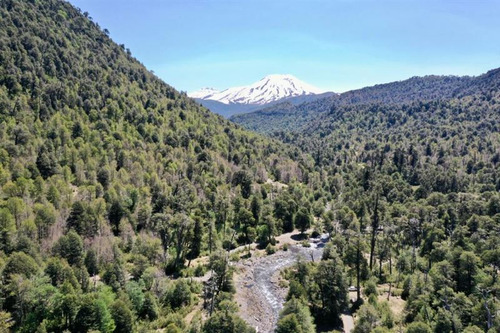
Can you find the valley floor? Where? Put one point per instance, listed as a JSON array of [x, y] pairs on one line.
[[260, 292]]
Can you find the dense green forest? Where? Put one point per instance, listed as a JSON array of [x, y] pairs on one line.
[[112, 183], [293, 117], [118, 193], [416, 205]]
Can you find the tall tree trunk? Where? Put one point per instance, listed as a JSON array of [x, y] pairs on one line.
[[375, 223], [489, 321], [358, 271], [379, 267], [210, 231], [390, 262]]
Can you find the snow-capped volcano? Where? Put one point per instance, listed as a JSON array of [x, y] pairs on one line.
[[270, 89], [203, 93]]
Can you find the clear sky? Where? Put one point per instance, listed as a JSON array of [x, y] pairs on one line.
[[335, 45]]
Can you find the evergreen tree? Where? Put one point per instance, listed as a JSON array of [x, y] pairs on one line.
[[115, 215], [91, 262], [122, 317], [331, 296], [70, 247], [7, 228], [19, 263], [303, 219], [226, 322], [46, 161], [149, 307], [302, 314], [288, 324], [196, 240]]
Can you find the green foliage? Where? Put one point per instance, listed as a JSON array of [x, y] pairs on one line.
[[46, 161], [270, 249], [418, 327], [5, 321], [223, 321], [122, 317], [320, 285], [135, 295], [370, 288], [45, 216], [412, 171], [115, 215], [93, 315], [114, 275], [472, 329], [7, 228], [70, 247], [296, 290], [303, 219], [246, 222], [149, 308], [331, 296], [289, 324], [179, 294], [80, 221], [124, 178], [295, 307], [243, 179], [284, 210], [367, 319], [19, 263], [60, 272], [91, 262]]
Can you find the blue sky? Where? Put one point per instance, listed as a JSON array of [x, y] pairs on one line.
[[335, 45]]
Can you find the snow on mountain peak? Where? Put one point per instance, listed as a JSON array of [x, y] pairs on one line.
[[269, 89], [203, 93]]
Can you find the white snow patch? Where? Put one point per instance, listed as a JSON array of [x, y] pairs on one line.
[[270, 89], [203, 93]]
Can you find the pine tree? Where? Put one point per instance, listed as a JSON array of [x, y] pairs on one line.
[[70, 247], [46, 161], [122, 317], [303, 219], [115, 215], [196, 240], [91, 262]]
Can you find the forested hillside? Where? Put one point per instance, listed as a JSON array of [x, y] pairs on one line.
[[118, 194], [290, 117], [416, 208], [112, 182]]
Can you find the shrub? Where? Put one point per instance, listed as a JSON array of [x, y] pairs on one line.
[[270, 249], [199, 270], [370, 288]]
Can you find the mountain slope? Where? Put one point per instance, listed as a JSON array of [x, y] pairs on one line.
[[107, 171], [203, 93], [471, 118], [286, 116], [112, 183], [269, 90], [228, 110], [416, 197]]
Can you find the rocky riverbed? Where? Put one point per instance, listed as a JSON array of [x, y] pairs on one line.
[[258, 291]]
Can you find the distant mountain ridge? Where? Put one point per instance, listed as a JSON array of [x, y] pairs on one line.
[[271, 89], [203, 93], [286, 115]]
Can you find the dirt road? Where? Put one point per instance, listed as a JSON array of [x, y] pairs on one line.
[[259, 293]]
